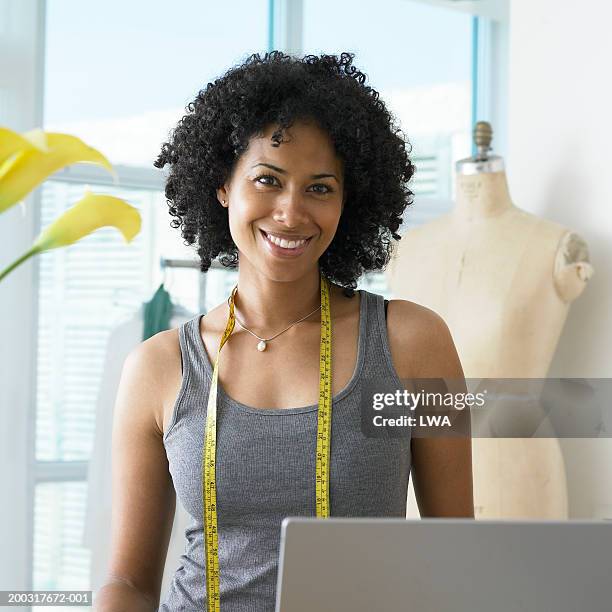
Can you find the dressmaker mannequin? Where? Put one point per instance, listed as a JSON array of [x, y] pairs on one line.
[[502, 279]]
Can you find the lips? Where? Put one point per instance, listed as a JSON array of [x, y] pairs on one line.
[[284, 252]]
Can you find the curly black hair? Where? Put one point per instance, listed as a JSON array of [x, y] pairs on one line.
[[278, 89]]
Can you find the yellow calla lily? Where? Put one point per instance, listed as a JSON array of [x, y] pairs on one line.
[[11, 143], [38, 138], [90, 213], [48, 152]]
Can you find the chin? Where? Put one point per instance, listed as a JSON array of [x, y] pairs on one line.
[[285, 273]]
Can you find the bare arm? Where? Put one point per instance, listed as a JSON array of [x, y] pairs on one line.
[[144, 500], [118, 595], [422, 347]]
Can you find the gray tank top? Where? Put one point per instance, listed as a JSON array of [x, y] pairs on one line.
[[266, 465]]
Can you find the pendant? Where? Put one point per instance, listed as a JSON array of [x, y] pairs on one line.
[[261, 346]]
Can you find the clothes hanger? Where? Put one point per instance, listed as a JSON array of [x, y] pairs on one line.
[[161, 302]]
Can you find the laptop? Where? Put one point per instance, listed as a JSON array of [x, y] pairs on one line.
[[444, 565]]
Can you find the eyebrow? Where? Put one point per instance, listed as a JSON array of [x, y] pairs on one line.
[[314, 176]]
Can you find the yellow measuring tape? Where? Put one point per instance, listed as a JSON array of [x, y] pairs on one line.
[[209, 487]]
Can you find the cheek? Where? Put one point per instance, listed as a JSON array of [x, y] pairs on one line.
[[331, 218], [241, 216], [237, 222], [250, 206], [241, 209]]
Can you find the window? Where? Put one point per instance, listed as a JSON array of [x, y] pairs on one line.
[[120, 73]]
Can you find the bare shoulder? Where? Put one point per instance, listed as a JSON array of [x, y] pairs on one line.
[[165, 346], [421, 342], [158, 360]]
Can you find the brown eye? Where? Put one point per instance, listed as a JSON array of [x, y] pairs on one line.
[[328, 189], [265, 176], [272, 178]]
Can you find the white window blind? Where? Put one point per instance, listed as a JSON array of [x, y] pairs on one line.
[[60, 562], [84, 291]]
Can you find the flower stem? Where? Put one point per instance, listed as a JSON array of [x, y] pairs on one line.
[[18, 262]]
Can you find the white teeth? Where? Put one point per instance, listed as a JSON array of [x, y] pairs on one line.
[[285, 244]]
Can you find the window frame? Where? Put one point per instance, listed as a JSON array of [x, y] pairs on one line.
[[22, 42]]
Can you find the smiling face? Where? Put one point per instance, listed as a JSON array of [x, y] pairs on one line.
[[293, 192]]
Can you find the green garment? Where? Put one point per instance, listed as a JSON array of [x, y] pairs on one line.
[[157, 313]]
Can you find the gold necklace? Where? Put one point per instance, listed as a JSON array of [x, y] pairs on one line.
[[261, 346]]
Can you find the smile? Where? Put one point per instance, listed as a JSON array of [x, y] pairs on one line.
[[283, 247]]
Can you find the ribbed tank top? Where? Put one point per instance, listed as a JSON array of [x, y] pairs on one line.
[[266, 467]]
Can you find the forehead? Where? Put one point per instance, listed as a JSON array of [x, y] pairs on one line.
[[303, 145]]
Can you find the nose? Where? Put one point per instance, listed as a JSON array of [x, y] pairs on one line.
[[290, 209]]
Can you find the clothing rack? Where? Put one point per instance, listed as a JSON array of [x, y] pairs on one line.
[[168, 262]]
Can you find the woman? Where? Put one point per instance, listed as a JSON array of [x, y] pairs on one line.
[[293, 168]]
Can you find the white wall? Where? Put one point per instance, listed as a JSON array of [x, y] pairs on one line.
[[559, 166]]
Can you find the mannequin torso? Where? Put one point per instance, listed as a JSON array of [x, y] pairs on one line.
[[502, 279]]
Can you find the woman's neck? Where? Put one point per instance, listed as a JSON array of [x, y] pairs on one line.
[[270, 305]]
